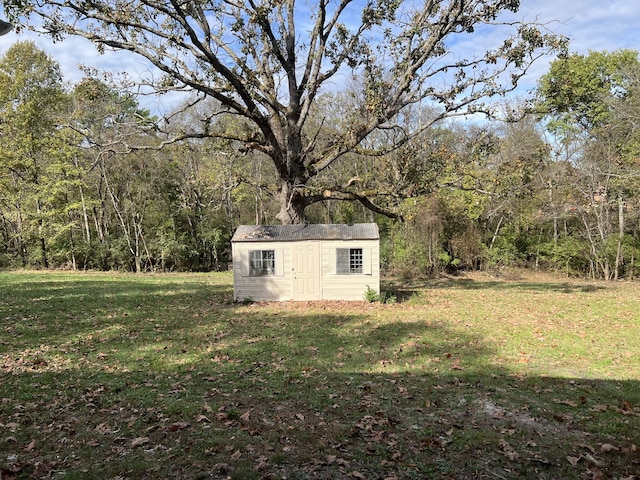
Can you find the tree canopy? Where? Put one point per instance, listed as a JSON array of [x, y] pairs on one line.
[[578, 91], [591, 104], [267, 62], [31, 150]]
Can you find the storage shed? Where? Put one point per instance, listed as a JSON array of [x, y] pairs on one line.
[[305, 262]]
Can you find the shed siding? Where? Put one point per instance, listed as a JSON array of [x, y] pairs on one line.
[[352, 286], [271, 287]]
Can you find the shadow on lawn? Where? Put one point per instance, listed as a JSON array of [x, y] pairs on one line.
[[190, 385], [246, 424]]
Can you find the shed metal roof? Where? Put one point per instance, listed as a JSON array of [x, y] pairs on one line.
[[290, 233]]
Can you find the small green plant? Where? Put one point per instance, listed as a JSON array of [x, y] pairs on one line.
[[388, 298], [233, 414], [417, 298], [370, 295]]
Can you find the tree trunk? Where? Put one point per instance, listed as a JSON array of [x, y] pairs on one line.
[[132, 240], [42, 240], [292, 205], [43, 252], [72, 242], [495, 233], [85, 217], [555, 217], [620, 237], [20, 245], [597, 261]]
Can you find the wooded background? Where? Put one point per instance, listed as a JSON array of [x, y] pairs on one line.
[[84, 183]]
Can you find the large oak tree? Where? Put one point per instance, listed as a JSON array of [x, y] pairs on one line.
[[267, 61]]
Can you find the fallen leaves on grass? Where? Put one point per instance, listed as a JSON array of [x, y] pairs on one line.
[[380, 399], [30, 446], [607, 447], [573, 460], [507, 450], [331, 459], [177, 426], [136, 442]]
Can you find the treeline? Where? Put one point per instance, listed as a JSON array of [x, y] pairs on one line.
[[90, 180]]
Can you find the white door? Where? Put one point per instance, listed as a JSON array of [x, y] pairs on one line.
[[306, 271]]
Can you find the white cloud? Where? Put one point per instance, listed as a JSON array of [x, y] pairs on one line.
[[590, 25]]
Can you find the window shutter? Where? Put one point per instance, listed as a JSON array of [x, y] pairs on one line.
[[342, 260], [332, 261], [243, 268], [278, 260], [366, 260]]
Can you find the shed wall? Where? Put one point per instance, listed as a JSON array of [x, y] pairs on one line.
[[332, 286], [352, 286], [269, 288]]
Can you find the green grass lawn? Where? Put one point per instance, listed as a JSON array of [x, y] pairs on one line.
[[115, 376]]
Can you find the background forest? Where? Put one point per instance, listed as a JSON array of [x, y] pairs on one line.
[[89, 179]]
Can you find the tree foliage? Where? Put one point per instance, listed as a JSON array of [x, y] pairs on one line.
[[474, 195], [591, 101], [72, 194], [268, 61], [33, 151], [577, 91]]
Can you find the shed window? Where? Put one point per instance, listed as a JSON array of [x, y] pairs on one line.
[[349, 260], [262, 262]]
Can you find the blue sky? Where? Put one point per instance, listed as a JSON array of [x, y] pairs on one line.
[[590, 25]]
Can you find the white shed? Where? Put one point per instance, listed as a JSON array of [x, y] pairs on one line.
[[305, 262]]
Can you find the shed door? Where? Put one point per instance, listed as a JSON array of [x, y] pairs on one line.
[[306, 271]]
